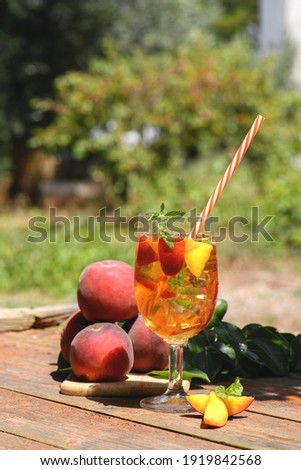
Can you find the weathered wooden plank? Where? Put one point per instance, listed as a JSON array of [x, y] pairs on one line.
[[60, 425], [23, 318], [12, 442], [29, 360], [16, 319], [34, 354], [134, 385]]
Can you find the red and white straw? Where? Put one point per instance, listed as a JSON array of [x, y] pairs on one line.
[[228, 173]]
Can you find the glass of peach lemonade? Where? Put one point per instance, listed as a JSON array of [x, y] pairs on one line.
[[176, 284]]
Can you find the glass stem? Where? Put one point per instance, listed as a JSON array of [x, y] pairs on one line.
[[175, 384]]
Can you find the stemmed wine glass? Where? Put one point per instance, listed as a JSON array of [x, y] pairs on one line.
[[176, 284]]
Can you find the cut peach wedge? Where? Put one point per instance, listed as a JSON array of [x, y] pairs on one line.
[[236, 405], [216, 413], [196, 255], [233, 404], [198, 402]]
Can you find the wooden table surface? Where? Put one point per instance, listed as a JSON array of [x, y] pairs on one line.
[[35, 415]]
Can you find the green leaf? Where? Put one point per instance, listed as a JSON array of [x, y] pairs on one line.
[[219, 313], [226, 351], [179, 279], [195, 344], [187, 375], [162, 218], [296, 353], [167, 238], [174, 214], [195, 374], [233, 336], [273, 356], [234, 390]]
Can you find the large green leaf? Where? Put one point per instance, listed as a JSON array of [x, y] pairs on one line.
[[205, 360], [296, 353], [273, 356], [220, 311], [210, 362], [187, 375], [233, 336]]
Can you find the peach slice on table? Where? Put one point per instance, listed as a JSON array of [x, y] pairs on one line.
[[198, 402], [216, 413], [233, 404], [196, 255], [236, 405]]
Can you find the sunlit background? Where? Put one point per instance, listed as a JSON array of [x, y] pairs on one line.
[[127, 104]]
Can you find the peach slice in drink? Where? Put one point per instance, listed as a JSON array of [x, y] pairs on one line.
[[145, 251], [171, 259], [197, 254]]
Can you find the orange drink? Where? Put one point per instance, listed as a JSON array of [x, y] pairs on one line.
[[178, 301], [176, 285]]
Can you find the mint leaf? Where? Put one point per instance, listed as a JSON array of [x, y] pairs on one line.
[[220, 391], [161, 218], [179, 279], [174, 214], [186, 303], [234, 390], [166, 237]]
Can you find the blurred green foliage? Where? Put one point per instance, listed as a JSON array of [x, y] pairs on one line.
[[49, 271], [164, 127], [43, 40]]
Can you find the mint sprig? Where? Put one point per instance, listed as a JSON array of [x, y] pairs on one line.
[[161, 219], [179, 279], [234, 390]]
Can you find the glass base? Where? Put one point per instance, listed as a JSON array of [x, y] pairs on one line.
[[167, 403]]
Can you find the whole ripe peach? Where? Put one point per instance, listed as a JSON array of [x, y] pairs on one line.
[[73, 325], [106, 291], [101, 352], [150, 350]]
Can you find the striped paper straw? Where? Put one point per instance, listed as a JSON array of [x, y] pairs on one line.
[[228, 173]]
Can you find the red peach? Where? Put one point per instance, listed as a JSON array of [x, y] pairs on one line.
[[101, 352], [150, 350], [106, 291], [73, 325]]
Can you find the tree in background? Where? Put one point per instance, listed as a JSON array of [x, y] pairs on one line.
[[162, 25], [234, 17], [41, 39], [159, 25], [156, 124]]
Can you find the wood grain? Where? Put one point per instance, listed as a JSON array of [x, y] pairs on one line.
[[13, 442], [23, 318], [134, 385], [28, 368], [61, 426]]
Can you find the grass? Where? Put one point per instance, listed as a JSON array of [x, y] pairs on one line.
[[48, 271]]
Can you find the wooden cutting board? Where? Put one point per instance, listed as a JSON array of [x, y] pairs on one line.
[[134, 385]]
